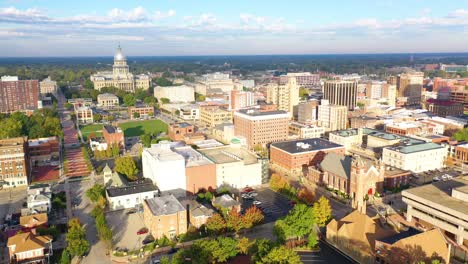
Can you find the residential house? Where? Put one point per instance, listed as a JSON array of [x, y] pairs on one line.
[[165, 216], [225, 201], [29, 248]]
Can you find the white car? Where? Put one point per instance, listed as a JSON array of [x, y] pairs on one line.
[[253, 194], [257, 202]]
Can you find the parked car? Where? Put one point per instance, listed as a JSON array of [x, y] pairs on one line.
[[257, 202], [146, 241], [247, 190], [131, 211], [142, 231]]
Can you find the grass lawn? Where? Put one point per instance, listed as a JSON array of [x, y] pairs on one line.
[[95, 129], [138, 128]]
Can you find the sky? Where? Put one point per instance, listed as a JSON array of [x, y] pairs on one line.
[[42, 28]]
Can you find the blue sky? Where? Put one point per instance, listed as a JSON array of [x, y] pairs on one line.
[[208, 27]]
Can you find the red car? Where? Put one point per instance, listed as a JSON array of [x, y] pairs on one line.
[[142, 231], [247, 190]]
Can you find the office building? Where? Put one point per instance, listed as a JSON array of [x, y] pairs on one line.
[[409, 88], [307, 112], [291, 156], [43, 150], [305, 131], [47, 86], [213, 116], [84, 115], [460, 96], [261, 127], [180, 93], [303, 79], [165, 216], [285, 96], [14, 162], [444, 108], [332, 117], [120, 76], [339, 92], [107, 100], [389, 91], [136, 112], [442, 204], [452, 68], [241, 99], [18, 95]]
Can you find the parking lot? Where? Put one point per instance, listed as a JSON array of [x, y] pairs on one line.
[[125, 227], [325, 255], [274, 205]]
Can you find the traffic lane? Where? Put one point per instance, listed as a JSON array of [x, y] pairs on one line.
[[273, 204], [325, 255]]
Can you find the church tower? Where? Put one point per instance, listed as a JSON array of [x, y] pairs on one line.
[[120, 68]]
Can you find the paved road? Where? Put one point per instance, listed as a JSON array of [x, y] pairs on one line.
[[326, 255], [275, 205], [11, 201]]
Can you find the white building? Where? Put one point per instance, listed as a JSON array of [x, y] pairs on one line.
[[84, 115], [107, 100], [190, 112], [248, 83], [235, 166], [332, 117], [182, 93], [165, 168], [48, 86], [130, 195], [306, 131], [99, 145], [348, 138], [416, 158], [39, 199]]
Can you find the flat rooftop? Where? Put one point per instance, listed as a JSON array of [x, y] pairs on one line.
[[441, 193], [255, 112], [305, 145], [192, 157], [134, 187], [416, 148], [228, 154], [164, 205]]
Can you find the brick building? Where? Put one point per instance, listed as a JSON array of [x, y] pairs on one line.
[[113, 135], [14, 162], [293, 156], [143, 111], [165, 216], [444, 107], [43, 149], [177, 131], [18, 95], [261, 127]]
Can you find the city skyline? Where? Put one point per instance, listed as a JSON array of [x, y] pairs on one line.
[[167, 28]]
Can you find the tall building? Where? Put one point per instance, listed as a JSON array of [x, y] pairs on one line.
[[14, 163], [409, 88], [48, 86], [18, 95], [285, 96], [307, 112], [212, 117], [332, 117], [303, 79], [261, 127], [120, 76], [339, 92], [389, 92], [241, 99]]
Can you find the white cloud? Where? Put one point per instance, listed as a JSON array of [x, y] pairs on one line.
[[13, 15], [10, 33], [459, 13], [161, 15]]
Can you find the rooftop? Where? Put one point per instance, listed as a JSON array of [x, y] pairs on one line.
[[305, 145], [112, 129], [225, 201], [255, 112], [441, 193], [228, 154], [40, 141], [339, 165], [145, 185], [181, 125], [396, 237], [28, 241], [416, 148], [192, 157], [163, 152], [165, 205]]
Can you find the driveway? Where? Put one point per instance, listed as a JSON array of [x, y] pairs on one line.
[[125, 227]]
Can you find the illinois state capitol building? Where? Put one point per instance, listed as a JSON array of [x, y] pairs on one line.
[[120, 76]]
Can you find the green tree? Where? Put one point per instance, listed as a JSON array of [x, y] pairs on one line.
[[68, 106], [360, 105], [260, 249], [322, 211], [200, 97], [126, 165], [303, 93], [141, 94], [88, 84], [165, 100], [215, 224], [312, 240], [97, 117], [243, 245], [110, 118], [461, 135], [115, 150], [297, 224], [150, 100], [164, 260], [252, 216], [10, 128], [224, 249], [163, 82], [234, 221], [146, 140], [281, 255], [95, 192], [76, 238], [136, 115], [65, 257], [129, 100]]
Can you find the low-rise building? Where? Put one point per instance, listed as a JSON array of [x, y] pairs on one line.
[[212, 117], [442, 204], [223, 132], [84, 115], [177, 131], [235, 166], [107, 100], [225, 201], [131, 194], [306, 131], [396, 178], [80, 102], [293, 156], [34, 220], [143, 111], [43, 150], [415, 158], [113, 136], [198, 213], [29, 248], [165, 216]]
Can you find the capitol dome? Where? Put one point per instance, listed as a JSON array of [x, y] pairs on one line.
[[119, 54]]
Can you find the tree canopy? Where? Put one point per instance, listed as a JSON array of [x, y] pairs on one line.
[[42, 123], [461, 135], [322, 211], [126, 165], [77, 244], [297, 224]]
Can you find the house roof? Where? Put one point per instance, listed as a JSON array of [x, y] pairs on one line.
[[197, 209], [225, 201], [305, 145], [142, 186], [34, 219], [28, 241], [164, 205]]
